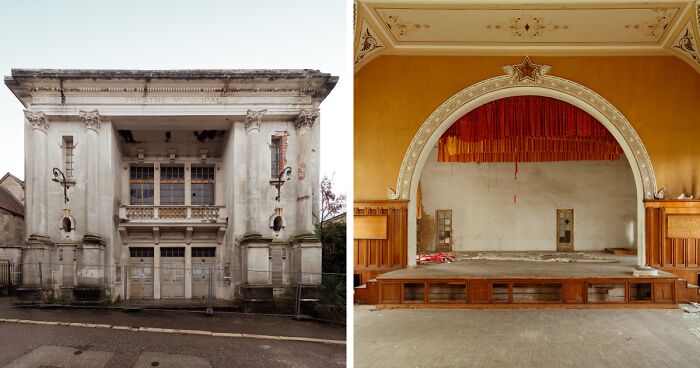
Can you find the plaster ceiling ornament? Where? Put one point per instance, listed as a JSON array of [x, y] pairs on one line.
[[655, 27], [306, 119], [686, 44], [528, 26], [37, 119], [540, 84], [400, 27], [526, 71], [368, 44], [253, 119], [91, 119]]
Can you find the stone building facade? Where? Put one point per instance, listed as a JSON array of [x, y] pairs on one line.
[[168, 175]]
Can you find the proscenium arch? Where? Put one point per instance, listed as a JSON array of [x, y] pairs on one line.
[[507, 86]]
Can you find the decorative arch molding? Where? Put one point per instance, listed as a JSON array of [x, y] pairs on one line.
[[524, 79]]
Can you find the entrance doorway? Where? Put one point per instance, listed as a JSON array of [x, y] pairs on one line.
[[203, 262], [141, 273], [565, 230], [172, 273]]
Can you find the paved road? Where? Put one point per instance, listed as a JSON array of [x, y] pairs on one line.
[[72, 347], [543, 338], [25, 345]]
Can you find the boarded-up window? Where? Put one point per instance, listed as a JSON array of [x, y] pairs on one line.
[[444, 227], [275, 157]]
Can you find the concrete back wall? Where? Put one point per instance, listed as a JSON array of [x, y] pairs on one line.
[[485, 217]]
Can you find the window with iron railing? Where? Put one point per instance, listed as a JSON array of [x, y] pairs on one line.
[[141, 185]]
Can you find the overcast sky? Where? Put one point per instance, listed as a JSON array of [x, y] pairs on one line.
[[176, 34]]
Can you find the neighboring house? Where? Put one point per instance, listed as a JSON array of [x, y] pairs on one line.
[[11, 227], [171, 173], [341, 217], [13, 185]]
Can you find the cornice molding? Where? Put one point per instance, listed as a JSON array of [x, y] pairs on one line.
[[686, 45], [310, 91], [368, 44], [38, 120], [253, 119], [670, 29], [445, 115], [91, 119]]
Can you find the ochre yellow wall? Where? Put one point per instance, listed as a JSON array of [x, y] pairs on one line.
[[660, 96]]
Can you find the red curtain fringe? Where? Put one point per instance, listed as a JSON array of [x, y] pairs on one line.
[[527, 129]]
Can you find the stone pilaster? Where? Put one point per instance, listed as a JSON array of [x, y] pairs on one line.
[[38, 211], [252, 131], [92, 121], [305, 121]]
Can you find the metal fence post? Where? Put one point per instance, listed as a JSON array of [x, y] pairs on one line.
[[210, 309], [41, 284], [298, 304]]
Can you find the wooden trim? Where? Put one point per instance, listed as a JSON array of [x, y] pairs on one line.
[[381, 204]]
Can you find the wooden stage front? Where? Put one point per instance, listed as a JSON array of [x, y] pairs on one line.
[[522, 284]]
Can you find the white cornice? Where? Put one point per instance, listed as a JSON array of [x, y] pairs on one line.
[[688, 10]]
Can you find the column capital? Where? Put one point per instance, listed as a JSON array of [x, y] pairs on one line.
[[306, 118], [37, 119], [91, 119], [253, 119]]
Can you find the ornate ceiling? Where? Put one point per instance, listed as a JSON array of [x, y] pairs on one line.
[[515, 27]]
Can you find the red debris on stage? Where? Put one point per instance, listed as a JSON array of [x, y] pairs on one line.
[[434, 258]]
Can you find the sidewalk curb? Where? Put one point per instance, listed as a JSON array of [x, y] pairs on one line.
[[176, 331]]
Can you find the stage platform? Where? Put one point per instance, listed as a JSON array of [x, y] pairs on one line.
[[510, 282]]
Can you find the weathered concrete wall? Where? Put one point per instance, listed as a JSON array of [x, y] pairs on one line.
[[12, 253], [485, 217], [11, 228]]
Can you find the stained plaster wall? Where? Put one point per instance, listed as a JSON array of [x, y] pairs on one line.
[[486, 217]]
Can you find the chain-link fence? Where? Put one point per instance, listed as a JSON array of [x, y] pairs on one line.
[[177, 284], [9, 278]]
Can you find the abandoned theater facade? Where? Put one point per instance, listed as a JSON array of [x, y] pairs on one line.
[[170, 184]]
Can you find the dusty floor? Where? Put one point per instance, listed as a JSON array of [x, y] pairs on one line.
[[526, 338], [514, 269]]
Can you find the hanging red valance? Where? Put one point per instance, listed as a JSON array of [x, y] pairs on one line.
[[527, 129]]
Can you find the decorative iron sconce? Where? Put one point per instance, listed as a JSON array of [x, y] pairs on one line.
[[62, 181], [279, 181]]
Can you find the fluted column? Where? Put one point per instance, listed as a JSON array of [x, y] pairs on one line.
[[252, 131], [92, 122], [305, 121], [39, 213]]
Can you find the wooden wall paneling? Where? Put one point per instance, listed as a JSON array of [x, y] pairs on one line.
[[479, 292], [370, 227], [663, 292], [376, 256], [390, 293], [573, 292]]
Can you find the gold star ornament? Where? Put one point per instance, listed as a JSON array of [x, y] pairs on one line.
[[527, 70]]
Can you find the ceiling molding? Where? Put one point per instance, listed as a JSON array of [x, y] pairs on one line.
[[517, 27]]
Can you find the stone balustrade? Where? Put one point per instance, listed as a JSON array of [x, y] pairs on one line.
[[172, 213]]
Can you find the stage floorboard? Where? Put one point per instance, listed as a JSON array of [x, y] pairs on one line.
[[511, 269], [506, 280]]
